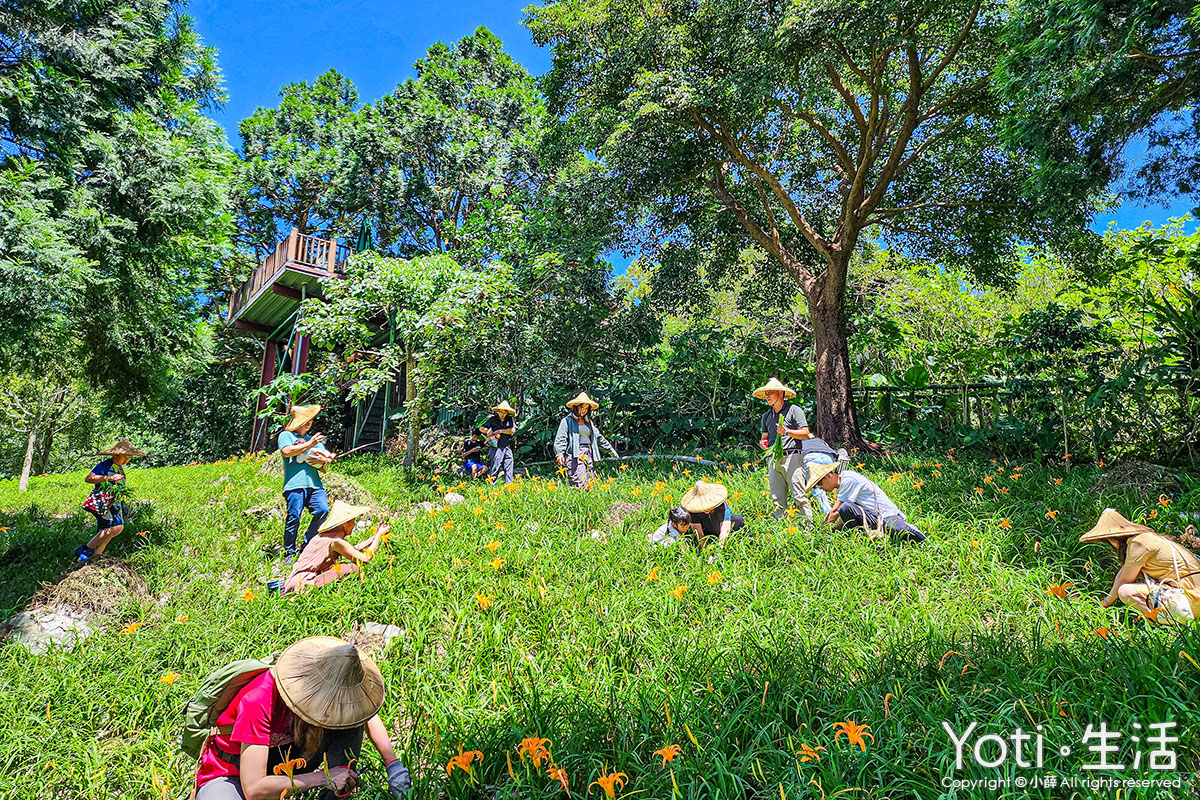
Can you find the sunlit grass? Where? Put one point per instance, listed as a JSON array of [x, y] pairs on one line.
[[583, 641]]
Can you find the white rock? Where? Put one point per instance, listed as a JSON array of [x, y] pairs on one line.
[[453, 499]]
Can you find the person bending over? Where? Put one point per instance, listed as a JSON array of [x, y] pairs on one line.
[[862, 504], [1144, 553], [315, 704], [710, 514], [328, 556], [678, 523]]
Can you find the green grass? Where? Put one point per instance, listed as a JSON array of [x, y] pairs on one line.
[[804, 628]]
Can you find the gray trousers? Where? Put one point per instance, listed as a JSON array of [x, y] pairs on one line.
[[788, 478], [579, 472], [339, 747], [501, 463]]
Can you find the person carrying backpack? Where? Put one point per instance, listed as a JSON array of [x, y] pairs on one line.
[[268, 730]]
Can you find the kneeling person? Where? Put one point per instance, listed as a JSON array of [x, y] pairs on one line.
[[314, 704], [710, 514], [321, 561], [678, 523], [861, 504]]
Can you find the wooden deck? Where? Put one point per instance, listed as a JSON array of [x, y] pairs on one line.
[[291, 272]]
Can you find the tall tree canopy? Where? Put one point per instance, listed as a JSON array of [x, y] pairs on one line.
[[298, 164], [466, 127], [112, 187], [800, 128], [1087, 77]]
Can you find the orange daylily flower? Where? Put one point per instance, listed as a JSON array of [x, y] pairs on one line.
[[248, 596], [1051, 513], [1015, 476], [668, 753], [886, 711], [610, 782], [652, 575], [170, 678], [808, 753], [860, 465], [678, 591], [182, 618], [463, 761], [1059, 590], [1164, 501], [1102, 633], [1003, 490], [1005, 523], [132, 627], [497, 563], [978, 490], [715, 577], [1037, 546], [1152, 614], [479, 509], [4, 529], [493, 546], [143, 534], [895, 476], [1058, 481], [290, 766], [559, 774], [484, 600], [855, 734], [534, 748], [448, 524], [936, 473], [987, 478], [918, 484], [793, 530]]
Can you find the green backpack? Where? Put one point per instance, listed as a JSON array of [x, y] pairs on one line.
[[215, 694]]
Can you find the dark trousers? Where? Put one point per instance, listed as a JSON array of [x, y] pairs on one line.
[[339, 747], [317, 503], [503, 464], [855, 516]]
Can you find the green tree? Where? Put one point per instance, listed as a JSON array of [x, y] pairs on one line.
[[112, 188], [420, 313], [1084, 78], [802, 128], [298, 164], [442, 143]]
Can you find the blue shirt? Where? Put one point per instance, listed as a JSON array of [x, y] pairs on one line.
[[298, 474], [106, 468]]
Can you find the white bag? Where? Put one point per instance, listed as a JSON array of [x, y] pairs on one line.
[[1168, 595]]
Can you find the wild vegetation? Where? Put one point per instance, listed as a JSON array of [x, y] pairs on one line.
[[534, 610]]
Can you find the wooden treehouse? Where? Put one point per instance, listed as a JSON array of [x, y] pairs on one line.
[[267, 304]]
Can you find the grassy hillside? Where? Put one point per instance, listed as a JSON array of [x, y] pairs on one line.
[[792, 630]]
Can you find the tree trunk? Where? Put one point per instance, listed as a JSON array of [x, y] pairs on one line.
[[24, 485], [837, 420], [413, 408]]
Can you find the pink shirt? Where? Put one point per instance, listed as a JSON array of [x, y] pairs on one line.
[[314, 559], [258, 715]]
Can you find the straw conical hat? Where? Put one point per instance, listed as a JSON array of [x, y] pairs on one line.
[[704, 497], [818, 471], [328, 683], [121, 448], [1113, 526], [505, 407], [301, 415], [340, 514], [582, 399], [774, 385]]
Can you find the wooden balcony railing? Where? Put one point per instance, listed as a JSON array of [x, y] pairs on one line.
[[311, 253]]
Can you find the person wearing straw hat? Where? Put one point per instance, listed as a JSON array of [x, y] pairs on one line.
[[710, 513], [801, 450], [303, 458], [499, 430], [109, 473], [1145, 553], [578, 441], [323, 559], [861, 504], [314, 704]]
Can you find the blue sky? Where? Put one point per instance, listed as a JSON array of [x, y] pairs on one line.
[[264, 45]]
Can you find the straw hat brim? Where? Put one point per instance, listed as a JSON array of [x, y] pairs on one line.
[[1113, 525], [340, 514], [301, 415], [704, 497], [121, 448], [324, 685], [582, 399], [819, 471], [505, 407], [774, 385]]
